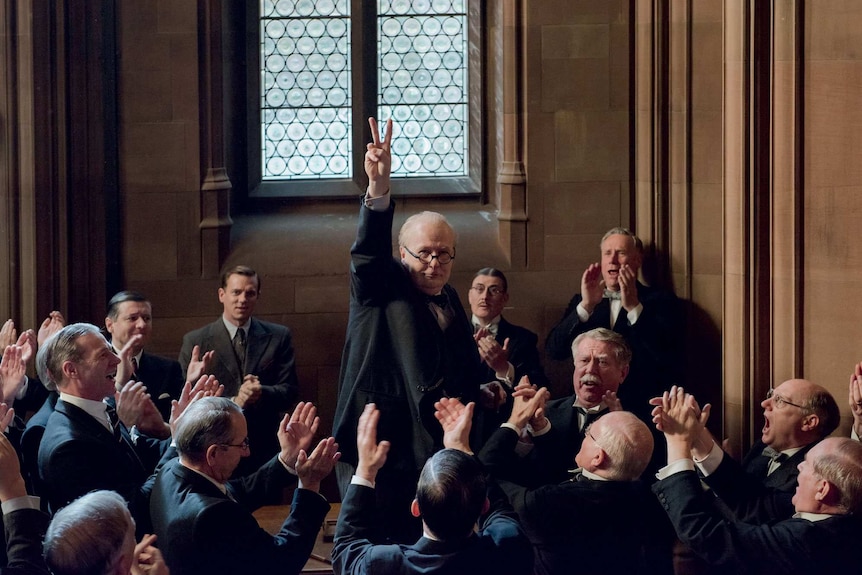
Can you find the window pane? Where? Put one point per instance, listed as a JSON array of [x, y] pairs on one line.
[[422, 48], [305, 89]]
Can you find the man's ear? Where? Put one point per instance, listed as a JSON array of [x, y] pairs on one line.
[[109, 325], [486, 506], [414, 509], [600, 459], [211, 454], [69, 369], [810, 422]]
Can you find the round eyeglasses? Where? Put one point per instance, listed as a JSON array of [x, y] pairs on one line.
[[427, 257]]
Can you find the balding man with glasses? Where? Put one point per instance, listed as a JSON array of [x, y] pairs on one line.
[[409, 342]]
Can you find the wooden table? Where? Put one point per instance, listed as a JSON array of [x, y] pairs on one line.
[[271, 518]]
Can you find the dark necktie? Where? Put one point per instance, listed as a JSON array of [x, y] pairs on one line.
[[134, 368], [115, 422], [441, 300], [589, 416], [239, 346], [775, 457]]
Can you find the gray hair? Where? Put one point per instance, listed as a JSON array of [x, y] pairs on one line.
[[622, 351], [88, 536], [207, 421], [416, 219], [60, 348], [620, 231], [628, 443], [842, 467]]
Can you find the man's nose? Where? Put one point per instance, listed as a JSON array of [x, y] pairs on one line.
[[766, 403], [434, 263]]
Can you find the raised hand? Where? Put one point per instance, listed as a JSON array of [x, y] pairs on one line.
[[524, 410], [8, 334], [628, 288], [206, 386], [52, 324], [311, 469], [677, 416], [199, 364], [124, 369], [372, 455], [855, 398], [612, 401], [11, 482], [591, 287], [12, 373], [27, 343], [296, 431], [148, 560], [378, 160], [135, 407], [457, 421], [493, 354]]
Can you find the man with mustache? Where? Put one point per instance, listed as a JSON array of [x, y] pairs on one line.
[[601, 359], [648, 318]]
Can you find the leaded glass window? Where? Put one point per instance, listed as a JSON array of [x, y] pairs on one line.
[[307, 98]]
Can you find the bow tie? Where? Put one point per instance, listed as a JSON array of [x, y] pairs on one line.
[[774, 455], [611, 294], [440, 300], [491, 328]]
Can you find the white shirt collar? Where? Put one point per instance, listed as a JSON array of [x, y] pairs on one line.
[[221, 486], [477, 323], [811, 516], [231, 328], [96, 409]]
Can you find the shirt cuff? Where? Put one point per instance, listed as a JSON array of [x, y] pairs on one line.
[[507, 377], [633, 315], [356, 480], [378, 204], [710, 463], [541, 432], [583, 314], [284, 464], [23, 502], [511, 426], [675, 467]]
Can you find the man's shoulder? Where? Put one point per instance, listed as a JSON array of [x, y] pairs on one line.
[[561, 403], [269, 326], [203, 332], [515, 331], [158, 361]]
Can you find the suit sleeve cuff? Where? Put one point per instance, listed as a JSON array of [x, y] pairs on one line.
[[710, 463], [583, 314], [378, 204], [633, 315], [23, 502], [675, 467]]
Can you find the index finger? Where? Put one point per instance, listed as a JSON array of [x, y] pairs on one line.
[[375, 133]]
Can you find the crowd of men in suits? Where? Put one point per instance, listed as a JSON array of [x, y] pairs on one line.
[[449, 452]]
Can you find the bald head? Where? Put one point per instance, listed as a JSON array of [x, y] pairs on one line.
[[837, 460], [626, 443], [798, 413]]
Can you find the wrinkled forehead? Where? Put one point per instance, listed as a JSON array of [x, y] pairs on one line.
[[619, 242], [488, 281], [593, 347], [427, 231], [796, 389]]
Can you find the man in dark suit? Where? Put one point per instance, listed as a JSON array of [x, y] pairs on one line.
[[96, 534], [204, 522], [409, 342], [24, 523], [253, 359], [797, 414], [507, 350], [822, 536], [130, 314], [603, 519], [601, 359], [648, 318], [85, 446], [451, 496]]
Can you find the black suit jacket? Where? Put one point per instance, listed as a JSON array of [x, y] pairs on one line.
[[747, 497], [25, 529], [78, 455], [783, 478], [612, 527], [655, 340], [30, 441], [787, 547], [500, 546], [202, 530], [523, 354], [164, 380], [396, 355], [269, 356]]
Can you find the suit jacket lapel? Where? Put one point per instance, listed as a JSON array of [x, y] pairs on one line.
[[81, 418], [258, 341]]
